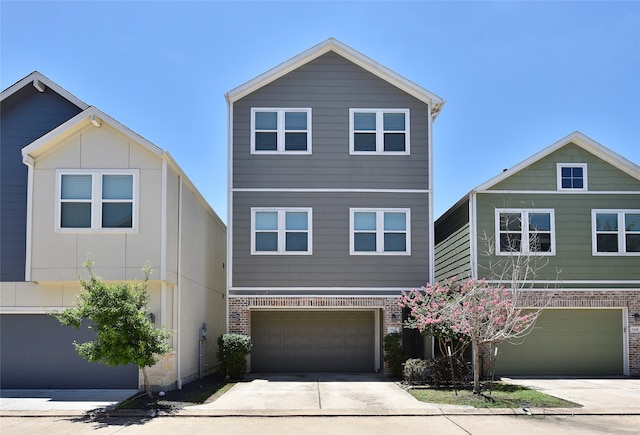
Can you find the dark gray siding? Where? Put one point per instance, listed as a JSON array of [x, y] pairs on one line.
[[330, 265], [330, 85], [453, 244], [25, 116]]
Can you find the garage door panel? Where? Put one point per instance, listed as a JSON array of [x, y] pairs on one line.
[[313, 341], [38, 352], [578, 342]]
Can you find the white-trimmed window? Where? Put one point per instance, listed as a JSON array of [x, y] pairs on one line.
[[281, 231], [616, 232], [525, 231], [97, 200], [280, 131], [379, 131], [572, 176], [380, 231]]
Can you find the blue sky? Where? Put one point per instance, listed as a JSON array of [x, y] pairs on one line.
[[516, 76]]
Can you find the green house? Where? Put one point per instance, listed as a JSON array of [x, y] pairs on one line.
[[570, 217]]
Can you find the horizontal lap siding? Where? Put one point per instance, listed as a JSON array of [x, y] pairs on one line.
[[573, 259], [453, 256], [30, 115], [330, 265], [330, 85]]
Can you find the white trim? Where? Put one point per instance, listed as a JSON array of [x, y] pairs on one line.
[[380, 132], [563, 192], [625, 341], [585, 178], [163, 222], [473, 233], [578, 139], [620, 232], [325, 190], [380, 231], [596, 282], [29, 224], [432, 231], [229, 249], [281, 130], [348, 53], [281, 230], [524, 230], [96, 201], [346, 289], [377, 338]]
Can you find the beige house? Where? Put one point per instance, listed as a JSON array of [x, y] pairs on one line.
[[96, 188]]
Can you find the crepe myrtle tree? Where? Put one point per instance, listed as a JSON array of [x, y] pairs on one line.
[[469, 311], [118, 313]]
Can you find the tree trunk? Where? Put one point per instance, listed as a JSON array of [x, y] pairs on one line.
[[477, 369], [147, 387]]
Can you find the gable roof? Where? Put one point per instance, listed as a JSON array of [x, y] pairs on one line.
[[348, 53], [578, 139], [40, 82]]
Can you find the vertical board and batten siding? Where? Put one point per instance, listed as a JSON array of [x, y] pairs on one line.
[[25, 116], [542, 175], [573, 233], [330, 85], [330, 265], [453, 244]]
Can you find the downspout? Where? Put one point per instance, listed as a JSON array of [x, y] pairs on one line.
[[472, 234], [229, 209], [431, 217], [30, 162], [179, 289]]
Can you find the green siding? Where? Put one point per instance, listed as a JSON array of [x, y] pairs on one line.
[[453, 244], [574, 259], [567, 342], [542, 175]]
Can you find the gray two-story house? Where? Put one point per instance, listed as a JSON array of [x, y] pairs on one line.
[[330, 208], [571, 215]]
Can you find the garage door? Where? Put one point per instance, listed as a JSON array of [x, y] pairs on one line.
[[568, 343], [37, 352], [317, 341]]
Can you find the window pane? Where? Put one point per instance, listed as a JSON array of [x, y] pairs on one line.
[[606, 222], [394, 121], [296, 220], [510, 222], [76, 187], [395, 221], [566, 172], [510, 242], [364, 221], [266, 141], [394, 142], [266, 121], [267, 220], [395, 242], [578, 183], [117, 215], [576, 172], [75, 215], [633, 242], [117, 187], [295, 121], [296, 242], [364, 142], [266, 241], [607, 242], [632, 222], [365, 242], [540, 242], [540, 221], [566, 183], [295, 141], [364, 121]]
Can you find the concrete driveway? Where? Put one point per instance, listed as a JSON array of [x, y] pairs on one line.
[[315, 394], [60, 400]]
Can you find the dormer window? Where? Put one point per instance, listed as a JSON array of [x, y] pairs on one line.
[[572, 176]]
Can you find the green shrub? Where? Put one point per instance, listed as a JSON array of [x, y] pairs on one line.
[[416, 371], [440, 369], [393, 354], [232, 354]]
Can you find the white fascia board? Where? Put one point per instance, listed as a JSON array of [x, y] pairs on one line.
[[83, 119], [36, 76], [350, 54], [576, 138]]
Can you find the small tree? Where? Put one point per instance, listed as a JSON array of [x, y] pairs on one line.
[[118, 313], [232, 354], [471, 310]]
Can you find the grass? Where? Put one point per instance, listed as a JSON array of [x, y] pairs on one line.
[[503, 396]]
